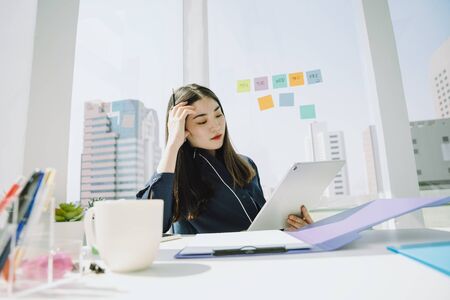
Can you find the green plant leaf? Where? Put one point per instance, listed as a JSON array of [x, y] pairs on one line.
[[67, 207], [59, 212], [78, 218], [59, 219]]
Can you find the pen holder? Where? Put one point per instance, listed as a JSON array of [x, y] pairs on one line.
[[36, 260]]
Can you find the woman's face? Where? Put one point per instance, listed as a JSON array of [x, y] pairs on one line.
[[206, 126]]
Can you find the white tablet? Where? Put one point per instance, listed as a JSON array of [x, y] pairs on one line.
[[303, 184]]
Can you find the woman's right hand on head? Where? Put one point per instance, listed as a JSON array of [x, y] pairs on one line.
[[176, 124]]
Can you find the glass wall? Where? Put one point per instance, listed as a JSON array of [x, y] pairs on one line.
[[290, 75], [422, 34], [128, 57]]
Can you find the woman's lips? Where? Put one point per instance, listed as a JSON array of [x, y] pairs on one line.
[[217, 137]]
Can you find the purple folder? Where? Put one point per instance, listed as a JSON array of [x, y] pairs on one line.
[[338, 230]]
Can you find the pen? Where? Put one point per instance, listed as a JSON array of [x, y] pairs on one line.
[[10, 194]]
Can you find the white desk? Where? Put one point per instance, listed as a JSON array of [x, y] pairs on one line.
[[362, 270]]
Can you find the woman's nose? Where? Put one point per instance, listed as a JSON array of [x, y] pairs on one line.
[[215, 125]]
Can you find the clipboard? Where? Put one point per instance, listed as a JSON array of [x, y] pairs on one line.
[[241, 243], [327, 234]]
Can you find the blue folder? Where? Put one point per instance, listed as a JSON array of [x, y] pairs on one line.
[[435, 255]]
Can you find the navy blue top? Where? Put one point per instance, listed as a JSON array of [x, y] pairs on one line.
[[223, 212]]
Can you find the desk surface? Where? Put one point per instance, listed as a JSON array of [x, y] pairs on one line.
[[362, 270]]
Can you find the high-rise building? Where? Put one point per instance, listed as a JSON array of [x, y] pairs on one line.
[[325, 145], [336, 151], [431, 142], [120, 149], [440, 79]]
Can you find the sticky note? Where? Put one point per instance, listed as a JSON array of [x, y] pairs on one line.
[[287, 99], [296, 79], [314, 76], [261, 83], [243, 86], [307, 112], [279, 81], [265, 102]]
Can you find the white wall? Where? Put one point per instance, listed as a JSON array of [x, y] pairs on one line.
[[17, 23]]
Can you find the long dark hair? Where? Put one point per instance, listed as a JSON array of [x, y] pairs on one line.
[[191, 190]]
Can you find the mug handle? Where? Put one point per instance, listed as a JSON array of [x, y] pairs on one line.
[[89, 228]]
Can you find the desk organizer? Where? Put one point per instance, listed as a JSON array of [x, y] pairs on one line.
[[36, 260]]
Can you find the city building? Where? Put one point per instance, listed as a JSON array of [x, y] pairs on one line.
[[430, 139], [432, 153], [324, 145], [440, 79], [120, 149]]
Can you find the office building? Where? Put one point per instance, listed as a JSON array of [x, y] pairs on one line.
[[325, 145], [440, 79], [430, 139], [432, 153], [120, 149]]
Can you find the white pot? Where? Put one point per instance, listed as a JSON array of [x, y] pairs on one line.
[[69, 231]]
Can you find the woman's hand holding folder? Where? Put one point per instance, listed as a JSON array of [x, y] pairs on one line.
[[298, 221]]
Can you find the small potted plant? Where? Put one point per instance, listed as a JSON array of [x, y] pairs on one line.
[[69, 221]]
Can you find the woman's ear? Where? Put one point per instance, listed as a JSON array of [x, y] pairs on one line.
[[186, 135]]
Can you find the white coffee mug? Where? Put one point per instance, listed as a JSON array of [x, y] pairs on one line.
[[126, 233]]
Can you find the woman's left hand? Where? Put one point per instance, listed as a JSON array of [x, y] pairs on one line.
[[298, 221]]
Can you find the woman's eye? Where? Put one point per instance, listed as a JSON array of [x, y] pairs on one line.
[[218, 116], [201, 123]]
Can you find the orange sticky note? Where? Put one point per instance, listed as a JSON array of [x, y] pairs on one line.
[[265, 102], [296, 79]]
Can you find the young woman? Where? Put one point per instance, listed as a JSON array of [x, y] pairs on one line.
[[206, 186]]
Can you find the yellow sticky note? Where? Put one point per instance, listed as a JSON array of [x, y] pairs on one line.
[[296, 79], [243, 86], [265, 102]]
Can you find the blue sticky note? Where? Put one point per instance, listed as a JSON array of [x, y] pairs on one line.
[[314, 76], [307, 112], [279, 81], [287, 99], [435, 255]]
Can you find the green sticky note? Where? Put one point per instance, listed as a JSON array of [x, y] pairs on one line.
[[279, 81], [243, 86], [307, 111]]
